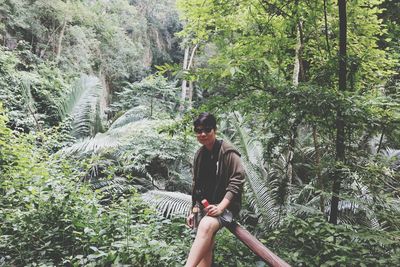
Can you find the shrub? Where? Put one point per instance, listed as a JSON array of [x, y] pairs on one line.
[[315, 242]]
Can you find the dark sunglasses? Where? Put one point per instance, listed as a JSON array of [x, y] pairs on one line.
[[203, 130]]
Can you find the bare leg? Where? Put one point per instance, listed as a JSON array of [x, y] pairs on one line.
[[207, 259], [202, 247]]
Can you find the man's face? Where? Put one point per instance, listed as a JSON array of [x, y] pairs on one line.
[[205, 135]]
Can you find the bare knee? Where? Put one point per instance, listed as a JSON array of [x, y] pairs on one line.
[[208, 226]]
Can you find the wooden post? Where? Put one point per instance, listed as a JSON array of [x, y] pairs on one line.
[[256, 246]]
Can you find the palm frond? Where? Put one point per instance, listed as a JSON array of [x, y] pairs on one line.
[[356, 208], [132, 115], [30, 103], [258, 190], [81, 102], [169, 203], [353, 209], [27, 95], [111, 189], [117, 185], [260, 198], [112, 139], [392, 156], [100, 142], [154, 158]]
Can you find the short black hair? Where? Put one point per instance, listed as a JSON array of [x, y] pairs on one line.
[[205, 119]]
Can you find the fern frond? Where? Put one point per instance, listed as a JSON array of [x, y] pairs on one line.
[[92, 145], [132, 115], [260, 198], [393, 157], [112, 139], [259, 192], [117, 185], [111, 189], [169, 203], [81, 103]]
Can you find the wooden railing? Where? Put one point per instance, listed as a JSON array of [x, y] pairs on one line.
[[256, 246]]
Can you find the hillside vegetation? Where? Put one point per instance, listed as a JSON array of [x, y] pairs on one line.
[[97, 99]]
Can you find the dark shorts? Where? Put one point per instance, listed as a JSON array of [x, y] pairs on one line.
[[224, 219]]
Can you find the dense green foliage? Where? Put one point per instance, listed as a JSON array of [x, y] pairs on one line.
[[315, 242], [92, 139], [49, 218], [277, 64]]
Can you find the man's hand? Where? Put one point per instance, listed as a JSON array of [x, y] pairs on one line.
[[189, 220], [214, 210]]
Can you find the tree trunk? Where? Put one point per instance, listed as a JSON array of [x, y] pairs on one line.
[[189, 66], [320, 182], [190, 94], [326, 29], [298, 51], [298, 66], [184, 82], [60, 38], [187, 86], [340, 123], [381, 140], [289, 160]]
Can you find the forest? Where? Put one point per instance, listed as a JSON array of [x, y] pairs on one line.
[[97, 101]]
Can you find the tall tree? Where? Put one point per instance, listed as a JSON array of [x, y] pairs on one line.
[[340, 123], [187, 85], [251, 69]]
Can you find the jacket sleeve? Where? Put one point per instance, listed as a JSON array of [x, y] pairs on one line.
[[195, 168], [236, 176]]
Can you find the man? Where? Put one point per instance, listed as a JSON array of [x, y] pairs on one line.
[[218, 177]]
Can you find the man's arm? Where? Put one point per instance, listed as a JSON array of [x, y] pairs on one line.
[[234, 187], [215, 210], [236, 176]]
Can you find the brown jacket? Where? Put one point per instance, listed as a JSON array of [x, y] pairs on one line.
[[230, 176]]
